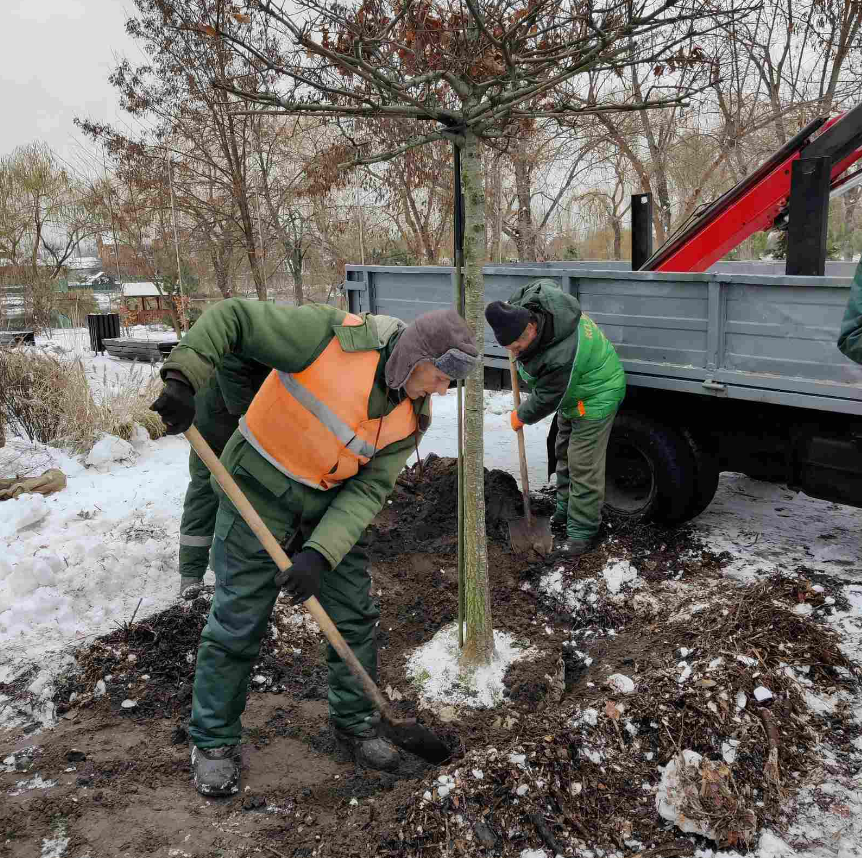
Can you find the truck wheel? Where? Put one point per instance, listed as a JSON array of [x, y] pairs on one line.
[[706, 463], [651, 470]]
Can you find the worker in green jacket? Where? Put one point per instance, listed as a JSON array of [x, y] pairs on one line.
[[317, 453], [218, 407], [570, 367], [850, 337]]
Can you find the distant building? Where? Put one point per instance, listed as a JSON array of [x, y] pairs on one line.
[[99, 279], [140, 290], [142, 304], [83, 266]]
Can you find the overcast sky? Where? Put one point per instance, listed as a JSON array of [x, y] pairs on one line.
[[55, 57]]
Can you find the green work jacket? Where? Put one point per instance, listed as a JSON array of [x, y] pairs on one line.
[[850, 337], [226, 397], [572, 367], [290, 339]]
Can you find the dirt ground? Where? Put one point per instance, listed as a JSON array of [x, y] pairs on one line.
[[550, 775]]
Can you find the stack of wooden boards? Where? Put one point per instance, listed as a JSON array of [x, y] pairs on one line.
[[146, 351]]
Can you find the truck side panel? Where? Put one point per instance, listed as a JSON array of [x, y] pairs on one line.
[[767, 339]]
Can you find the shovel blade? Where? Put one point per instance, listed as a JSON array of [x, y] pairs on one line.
[[526, 538], [410, 735]]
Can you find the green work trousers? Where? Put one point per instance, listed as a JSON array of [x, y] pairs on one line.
[[198, 522], [581, 452], [244, 597]]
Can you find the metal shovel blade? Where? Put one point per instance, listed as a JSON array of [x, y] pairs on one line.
[[531, 535], [410, 735]]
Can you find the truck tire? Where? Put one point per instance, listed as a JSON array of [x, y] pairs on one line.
[[708, 470], [651, 470]]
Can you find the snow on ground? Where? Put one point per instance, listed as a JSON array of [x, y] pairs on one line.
[[767, 526], [436, 671], [77, 564], [501, 445]]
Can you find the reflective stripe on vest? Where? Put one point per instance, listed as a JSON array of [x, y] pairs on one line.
[[195, 541], [313, 425]]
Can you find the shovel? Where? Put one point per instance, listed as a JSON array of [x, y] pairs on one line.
[[406, 733], [528, 533]]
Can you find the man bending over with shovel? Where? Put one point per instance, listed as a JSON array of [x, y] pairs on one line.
[[570, 367], [317, 454]]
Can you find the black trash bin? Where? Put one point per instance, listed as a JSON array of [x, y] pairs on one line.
[[102, 326]]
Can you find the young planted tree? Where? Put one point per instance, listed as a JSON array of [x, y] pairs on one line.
[[473, 70]]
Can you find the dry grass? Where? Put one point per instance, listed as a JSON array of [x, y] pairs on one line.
[[50, 400]]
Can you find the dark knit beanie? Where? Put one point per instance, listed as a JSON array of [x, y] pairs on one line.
[[440, 336], [507, 321]]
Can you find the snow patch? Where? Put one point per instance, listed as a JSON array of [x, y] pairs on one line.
[[109, 449], [436, 670], [617, 573]]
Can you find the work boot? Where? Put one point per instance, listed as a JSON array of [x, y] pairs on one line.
[[559, 520], [216, 770], [190, 587], [369, 748], [571, 547]]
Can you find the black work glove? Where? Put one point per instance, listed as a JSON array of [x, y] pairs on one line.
[[176, 406], [302, 580]]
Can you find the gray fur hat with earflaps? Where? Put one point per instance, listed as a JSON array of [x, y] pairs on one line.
[[443, 338]]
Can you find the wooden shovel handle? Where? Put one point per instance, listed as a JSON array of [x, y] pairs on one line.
[[282, 561], [522, 452]]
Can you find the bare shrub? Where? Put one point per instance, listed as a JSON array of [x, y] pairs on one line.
[[33, 392], [50, 400]]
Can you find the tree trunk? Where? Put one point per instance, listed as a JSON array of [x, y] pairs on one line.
[[251, 250], [618, 237], [851, 201], [496, 177], [219, 257], [526, 228], [295, 263], [479, 631]]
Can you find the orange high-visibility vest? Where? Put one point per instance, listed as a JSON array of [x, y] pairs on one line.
[[314, 425]]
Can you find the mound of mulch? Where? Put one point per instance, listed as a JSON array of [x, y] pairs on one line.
[[583, 775]]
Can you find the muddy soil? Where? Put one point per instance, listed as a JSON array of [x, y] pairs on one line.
[[120, 773]]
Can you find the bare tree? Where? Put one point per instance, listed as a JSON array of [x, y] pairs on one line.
[[612, 205], [475, 70], [45, 213], [192, 122]]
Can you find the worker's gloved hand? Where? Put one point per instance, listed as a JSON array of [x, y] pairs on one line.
[[302, 580], [515, 421], [176, 406]]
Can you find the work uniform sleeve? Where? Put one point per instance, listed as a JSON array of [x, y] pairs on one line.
[[239, 380], [546, 395], [284, 338], [358, 502], [850, 337]]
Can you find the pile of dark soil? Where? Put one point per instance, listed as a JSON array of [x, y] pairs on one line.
[[422, 514], [152, 662]]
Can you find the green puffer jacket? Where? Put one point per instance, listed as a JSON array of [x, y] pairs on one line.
[[572, 366], [290, 339], [226, 397], [850, 337]]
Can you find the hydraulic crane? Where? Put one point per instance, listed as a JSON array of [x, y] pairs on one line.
[[790, 190]]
